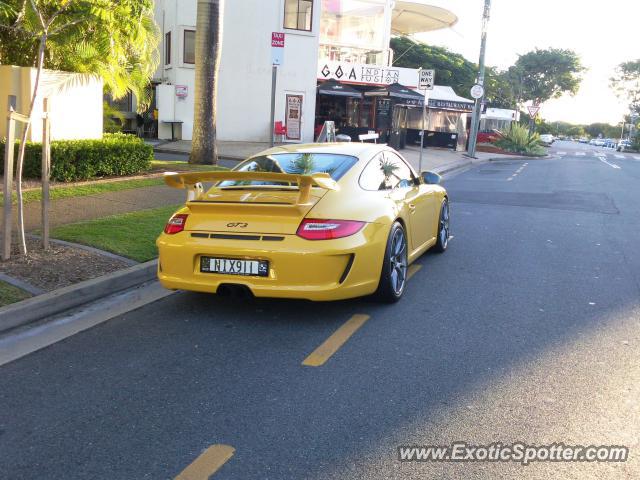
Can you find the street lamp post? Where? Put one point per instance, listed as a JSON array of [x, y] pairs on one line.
[[475, 121]]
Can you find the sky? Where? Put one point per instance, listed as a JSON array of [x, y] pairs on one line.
[[603, 34]]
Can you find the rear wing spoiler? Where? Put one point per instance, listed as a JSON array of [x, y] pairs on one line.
[[192, 181]]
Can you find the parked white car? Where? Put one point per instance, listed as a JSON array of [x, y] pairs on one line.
[[546, 139]]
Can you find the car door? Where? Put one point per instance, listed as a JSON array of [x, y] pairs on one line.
[[417, 199]]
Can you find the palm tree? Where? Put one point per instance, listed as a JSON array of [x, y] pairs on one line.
[[112, 39], [208, 46]]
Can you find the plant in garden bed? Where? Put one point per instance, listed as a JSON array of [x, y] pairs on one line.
[[518, 140]]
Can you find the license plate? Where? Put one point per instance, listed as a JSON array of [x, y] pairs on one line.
[[232, 266]]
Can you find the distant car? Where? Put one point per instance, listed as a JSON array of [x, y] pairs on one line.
[[623, 145], [546, 139], [583, 140], [609, 143], [598, 142]]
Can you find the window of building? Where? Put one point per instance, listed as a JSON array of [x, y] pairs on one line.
[[298, 14], [167, 48], [354, 30], [189, 51]]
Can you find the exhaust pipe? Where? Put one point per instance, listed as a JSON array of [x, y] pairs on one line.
[[234, 290]]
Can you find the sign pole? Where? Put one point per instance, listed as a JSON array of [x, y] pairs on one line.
[[475, 119], [277, 55], [46, 173], [425, 83], [274, 75], [7, 189]]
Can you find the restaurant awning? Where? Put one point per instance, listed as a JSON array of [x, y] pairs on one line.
[[395, 90], [418, 16], [335, 88]]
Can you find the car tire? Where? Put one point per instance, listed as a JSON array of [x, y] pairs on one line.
[[393, 277], [443, 228]]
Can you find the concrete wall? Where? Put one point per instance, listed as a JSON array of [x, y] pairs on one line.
[[244, 88], [75, 102]]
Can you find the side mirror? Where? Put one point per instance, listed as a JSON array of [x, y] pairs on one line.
[[431, 178]]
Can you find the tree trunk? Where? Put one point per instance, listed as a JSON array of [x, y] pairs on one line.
[[23, 140], [208, 47]]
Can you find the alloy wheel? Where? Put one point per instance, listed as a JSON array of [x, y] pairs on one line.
[[398, 259]]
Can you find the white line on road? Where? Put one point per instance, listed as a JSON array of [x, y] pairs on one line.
[[580, 154], [618, 155], [612, 165], [636, 157], [562, 153]]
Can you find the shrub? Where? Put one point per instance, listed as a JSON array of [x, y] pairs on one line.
[[518, 140], [115, 154]]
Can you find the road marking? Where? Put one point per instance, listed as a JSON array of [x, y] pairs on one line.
[[413, 269], [562, 153], [580, 154], [331, 345], [618, 155], [636, 157], [208, 463], [612, 165]]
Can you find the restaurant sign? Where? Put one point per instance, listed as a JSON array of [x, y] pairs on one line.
[[450, 105], [360, 74]]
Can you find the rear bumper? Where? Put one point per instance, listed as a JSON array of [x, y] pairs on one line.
[[315, 270]]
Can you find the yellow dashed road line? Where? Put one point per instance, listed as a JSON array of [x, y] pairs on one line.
[[331, 345], [208, 463]]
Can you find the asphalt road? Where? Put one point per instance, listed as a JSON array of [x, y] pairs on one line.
[[527, 329]]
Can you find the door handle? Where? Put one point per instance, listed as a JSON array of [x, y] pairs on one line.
[[412, 207]]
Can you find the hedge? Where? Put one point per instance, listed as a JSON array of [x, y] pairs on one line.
[[73, 160]]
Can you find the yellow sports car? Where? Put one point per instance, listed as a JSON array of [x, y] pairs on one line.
[[320, 222]]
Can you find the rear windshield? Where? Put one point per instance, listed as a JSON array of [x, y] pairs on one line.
[[297, 163]]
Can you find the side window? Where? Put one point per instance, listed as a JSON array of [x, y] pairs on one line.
[[402, 176], [386, 171]]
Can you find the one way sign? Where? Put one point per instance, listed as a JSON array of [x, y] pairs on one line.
[[427, 79]]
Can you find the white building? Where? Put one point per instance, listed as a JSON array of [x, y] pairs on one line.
[[323, 39]]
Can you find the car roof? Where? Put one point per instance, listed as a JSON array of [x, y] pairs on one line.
[[355, 149]]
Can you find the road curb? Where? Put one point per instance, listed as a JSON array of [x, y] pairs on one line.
[[452, 168], [521, 158], [52, 303], [16, 282]]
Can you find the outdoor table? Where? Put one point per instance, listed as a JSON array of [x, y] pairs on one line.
[[173, 122]]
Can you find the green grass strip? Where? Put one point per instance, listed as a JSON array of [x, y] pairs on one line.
[[10, 294], [87, 189], [132, 235]]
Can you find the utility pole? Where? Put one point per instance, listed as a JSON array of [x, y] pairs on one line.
[[475, 120]]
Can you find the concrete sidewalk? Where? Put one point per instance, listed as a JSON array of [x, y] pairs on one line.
[[436, 159], [226, 150]]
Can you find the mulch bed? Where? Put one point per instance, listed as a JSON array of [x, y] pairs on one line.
[[57, 267]]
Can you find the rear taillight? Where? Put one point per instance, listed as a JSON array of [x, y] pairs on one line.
[[176, 224], [313, 229]]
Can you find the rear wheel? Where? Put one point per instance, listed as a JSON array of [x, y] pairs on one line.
[[393, 277], [443, 228]]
